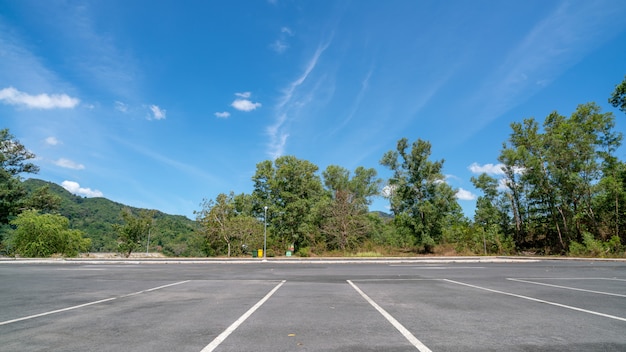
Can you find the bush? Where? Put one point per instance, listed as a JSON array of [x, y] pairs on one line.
[[44, 235], [596, 248], [304, 252]]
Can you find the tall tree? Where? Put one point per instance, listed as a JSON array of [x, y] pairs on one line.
[[421, 200], [290, 188], [344, 217]]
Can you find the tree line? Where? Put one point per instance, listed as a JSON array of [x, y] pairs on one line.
[[562, 191]]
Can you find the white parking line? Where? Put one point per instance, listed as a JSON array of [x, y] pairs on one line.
[[438, 267], [567, 287], [87, 304], [538, 300], [221, 337], [404, 331]]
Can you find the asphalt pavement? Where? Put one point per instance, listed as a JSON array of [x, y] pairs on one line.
[[465, 304]]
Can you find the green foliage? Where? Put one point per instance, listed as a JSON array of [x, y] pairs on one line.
[[171, 234], [618, 97], [591, 247], [304, 252], [553, 176], [479, 240], [134, 231], [13, 161], [420, 198], [291, 189], [44, 235], [227, 231]]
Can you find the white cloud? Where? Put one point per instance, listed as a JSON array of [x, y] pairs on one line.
[[157, 112], [68, 164], [52, 141], [75, 188], [245, 105], [491, 169], [121, 107], [222, 115], [463, 194], [244, 95], [13, 96]]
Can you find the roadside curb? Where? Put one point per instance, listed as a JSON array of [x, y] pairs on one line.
[[281, 260]]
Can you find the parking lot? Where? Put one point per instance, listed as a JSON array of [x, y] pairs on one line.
[[434, 305]]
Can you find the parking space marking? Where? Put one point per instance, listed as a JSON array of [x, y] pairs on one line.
[[572, 278], [221, 337], [536, 300], [404, 331], [87, 304], [567, 287]]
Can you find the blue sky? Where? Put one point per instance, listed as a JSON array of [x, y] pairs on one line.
[[159, 104]]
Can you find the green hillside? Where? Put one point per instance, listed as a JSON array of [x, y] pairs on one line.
[[172, 234]]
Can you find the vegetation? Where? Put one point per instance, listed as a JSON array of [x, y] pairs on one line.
[[43, 235], [563, 191]]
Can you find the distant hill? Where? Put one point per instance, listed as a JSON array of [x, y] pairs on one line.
[[172, 234], [383, 215]]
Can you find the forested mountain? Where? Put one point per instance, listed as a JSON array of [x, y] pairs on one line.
[[171, 234]]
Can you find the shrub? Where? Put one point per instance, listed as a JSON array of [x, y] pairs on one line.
[[44, 235]]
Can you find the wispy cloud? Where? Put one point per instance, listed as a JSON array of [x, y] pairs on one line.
[[244, 95], [551, 47], [222, 115], [69, 164], [280, 45], [277, 131], [121, 107], [157, 112], [75, 188], [13, 96]]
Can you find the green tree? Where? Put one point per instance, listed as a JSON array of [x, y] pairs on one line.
[[135, 229], [421, 200], [553, 175], [14, 160], [291, 189], [43, 200], [618, 97], [344, 218], [14, 156], [225, 227], [43, 235]]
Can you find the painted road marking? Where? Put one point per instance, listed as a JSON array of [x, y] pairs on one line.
[[572, 278], [538, 300], [87, 304], [438, 267], [567, 287], [221, 337], [404, 331]]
